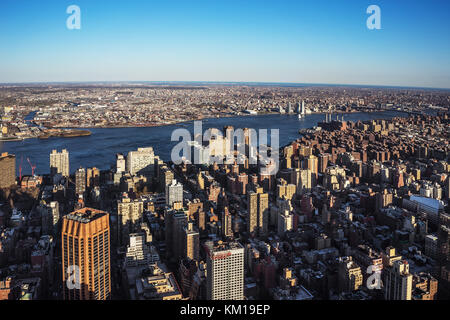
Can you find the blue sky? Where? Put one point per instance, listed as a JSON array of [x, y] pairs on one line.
[[235, 40]]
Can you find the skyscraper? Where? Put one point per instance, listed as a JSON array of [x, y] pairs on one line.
[[447, 187], [323, 158], [86, 255], [443, 250], [227, 230], [304, 180], [59, 163], [129, 214], [398, 283], [225, 271], [141, 162], [285, 222], [312, 164], [303, 109], [349, 274], [191, 241], [7, 170], [92, 177], [80, 181], [175, 221], [120, 163], [258, 212], [49, 216], [174, 193], [165, 178]]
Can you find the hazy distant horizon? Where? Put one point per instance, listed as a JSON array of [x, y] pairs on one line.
[[224, 83]]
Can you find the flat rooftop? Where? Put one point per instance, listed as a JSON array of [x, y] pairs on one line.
[[85, 215]]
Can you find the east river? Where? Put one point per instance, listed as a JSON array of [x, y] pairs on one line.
[[99, 149]]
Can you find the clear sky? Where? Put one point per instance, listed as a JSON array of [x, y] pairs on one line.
[[314, 41]]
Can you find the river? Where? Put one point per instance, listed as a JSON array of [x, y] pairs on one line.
[[99, 149]]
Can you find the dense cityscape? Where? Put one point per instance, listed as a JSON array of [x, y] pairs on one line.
[[357, 210], [224, 159], [56, 107]]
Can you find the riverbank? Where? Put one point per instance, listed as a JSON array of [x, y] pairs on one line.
[[225, 116], [99, 149]]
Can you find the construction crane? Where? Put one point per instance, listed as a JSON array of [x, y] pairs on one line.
[[20, 169], [32, 167]]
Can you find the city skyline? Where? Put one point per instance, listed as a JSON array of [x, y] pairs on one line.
[[229, 156], [283, 42]]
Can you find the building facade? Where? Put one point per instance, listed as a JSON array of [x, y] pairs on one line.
[[225, 271], [86, 255]]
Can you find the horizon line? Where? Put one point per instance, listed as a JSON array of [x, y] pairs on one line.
[[254, 83]]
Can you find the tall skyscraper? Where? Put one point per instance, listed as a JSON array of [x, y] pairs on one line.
[[141, 162], [59, 163], [225, 271], [80, 181], [350, 275], [175, 221], [49, 216], [86, 255], [120, 163], [129, 216], [174, 193], [165, 178], [312, 164], [92, 177], [398, 281], [304, 180], [447, 187], [303, 109], [289, 108], [258, 212], [191, 241], [285, 222], [323, 160], [227, 230], [7, 170], [443, 251]]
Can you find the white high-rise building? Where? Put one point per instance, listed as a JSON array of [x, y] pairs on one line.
[[141, 162], [289, 108], [174, 193], [59, 163], [225, 271], [120, 163]]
